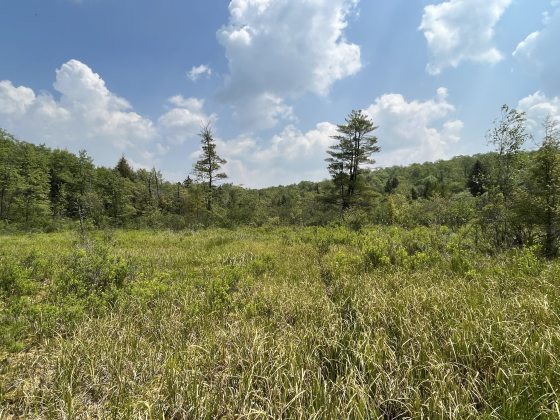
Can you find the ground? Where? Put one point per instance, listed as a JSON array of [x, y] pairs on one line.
[[282, 323]]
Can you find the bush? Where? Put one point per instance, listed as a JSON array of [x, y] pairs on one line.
[[15, 279], [93, 268]]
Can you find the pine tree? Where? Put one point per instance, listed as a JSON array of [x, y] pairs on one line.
[[476, 182], [207, 168], [353, 150], [391, 184], [188, 182], [124, 169]]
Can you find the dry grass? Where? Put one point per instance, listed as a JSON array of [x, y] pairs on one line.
[[312, 323]]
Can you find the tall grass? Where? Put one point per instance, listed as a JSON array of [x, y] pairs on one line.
[[310, 323]]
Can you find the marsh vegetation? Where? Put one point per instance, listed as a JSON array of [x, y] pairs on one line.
[[280, 322]]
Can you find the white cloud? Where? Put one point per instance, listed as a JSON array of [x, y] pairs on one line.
[[408, 132], [461, 30], [538, 51], [88, 115], [198, 71], [15, 100], [194, 104], [537, 107], [86, 111], [527, 46], [183, 121], [290, 156], [414, 131], [281, 49], [262, 111]]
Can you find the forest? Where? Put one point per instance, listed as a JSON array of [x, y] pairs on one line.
[[510, 195], [421, 291]]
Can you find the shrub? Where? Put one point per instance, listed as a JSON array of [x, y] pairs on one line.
[[15, 279], [92, 267]]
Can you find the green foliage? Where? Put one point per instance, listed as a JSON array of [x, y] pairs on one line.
[[42, 293], [92, 268], [545, 188], [509, 194], [391, 185], [356, 218], [477, 180], [289, 322], [354, 148], [207, 168], [15, 278], [124, 169]]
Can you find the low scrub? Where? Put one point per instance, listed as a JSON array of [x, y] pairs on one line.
[[339, 322]]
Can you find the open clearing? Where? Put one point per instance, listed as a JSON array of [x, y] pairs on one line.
[[285, 323]]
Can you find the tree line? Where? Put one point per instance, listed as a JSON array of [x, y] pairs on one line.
[[510, 196]]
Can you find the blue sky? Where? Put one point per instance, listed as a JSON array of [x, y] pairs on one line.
[[139, 77]]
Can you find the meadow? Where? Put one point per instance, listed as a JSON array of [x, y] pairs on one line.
[[381, 322]]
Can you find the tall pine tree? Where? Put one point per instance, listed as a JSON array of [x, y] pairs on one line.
[[353, 150], [207, 168]]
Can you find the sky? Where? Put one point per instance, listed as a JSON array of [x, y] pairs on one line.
[[273, 77]]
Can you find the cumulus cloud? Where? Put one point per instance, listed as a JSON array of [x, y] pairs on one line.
[[537, 107], [288, 157], [15, 100], [461, 30], [88, 115], [415, 131], [409, 131], [537, 52], [198, 71], [281, 49], [262, 111], [86, 111], [184, 119]]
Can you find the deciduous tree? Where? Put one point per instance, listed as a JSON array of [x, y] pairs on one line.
[[546, 186], [508, 135]]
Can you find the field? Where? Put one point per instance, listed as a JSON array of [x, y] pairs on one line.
[[281, 323]]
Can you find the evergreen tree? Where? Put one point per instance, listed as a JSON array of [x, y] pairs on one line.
[[116, 194], [429, 186], [124, 169], [353, 150], [188, 182], [476, 182], [207, 168], [391, 184]]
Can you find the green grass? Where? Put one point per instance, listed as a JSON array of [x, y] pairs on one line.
[[281, 323]]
